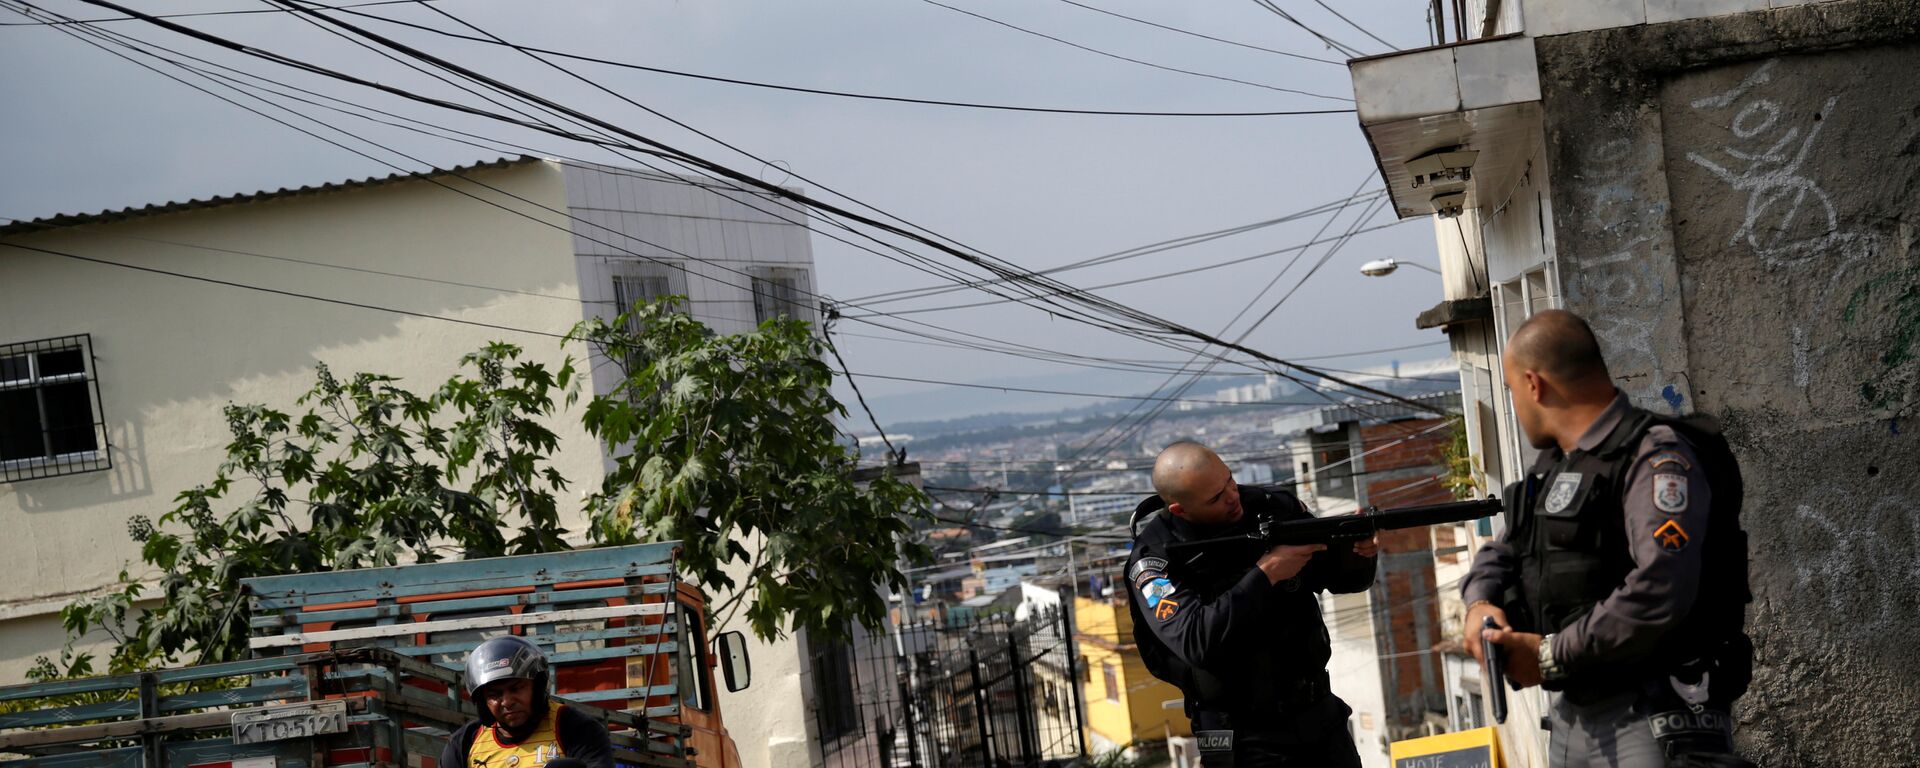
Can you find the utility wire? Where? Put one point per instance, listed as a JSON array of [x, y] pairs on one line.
[[1197, 34], [1163, 246], [683, 157], [431, 179], [1143, 63], [240, 12], [835, 93], [1144, 398], [894, 456], [1139, 422], [1343, 48], [1157, 276], [431, 316], [1350, 23], [1152, 324]]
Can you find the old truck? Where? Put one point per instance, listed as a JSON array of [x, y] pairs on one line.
[[363, 668]]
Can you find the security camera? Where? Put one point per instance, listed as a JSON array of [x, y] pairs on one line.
[[1442, 166]]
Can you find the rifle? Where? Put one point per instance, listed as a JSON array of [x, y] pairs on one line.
[[1496, 667], [1328, 530]]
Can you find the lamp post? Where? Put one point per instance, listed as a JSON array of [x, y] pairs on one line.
[[1384, 267]]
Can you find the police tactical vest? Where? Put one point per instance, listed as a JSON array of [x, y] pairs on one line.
[[1568, 531]]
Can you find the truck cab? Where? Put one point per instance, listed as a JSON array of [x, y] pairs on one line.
[[363, 667]]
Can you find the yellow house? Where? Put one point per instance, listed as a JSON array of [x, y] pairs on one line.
[[1125, 703]]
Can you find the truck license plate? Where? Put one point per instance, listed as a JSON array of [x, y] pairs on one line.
[[289, 721]]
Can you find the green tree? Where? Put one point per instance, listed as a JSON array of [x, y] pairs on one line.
[[727, 441], [368, 475], [721, 441]]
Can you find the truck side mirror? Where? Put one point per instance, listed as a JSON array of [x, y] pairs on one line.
[[734, 665]]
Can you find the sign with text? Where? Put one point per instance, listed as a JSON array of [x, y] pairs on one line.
[[289, 721], [1478, 748]]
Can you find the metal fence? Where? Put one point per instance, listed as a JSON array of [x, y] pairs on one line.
[[983, 693]]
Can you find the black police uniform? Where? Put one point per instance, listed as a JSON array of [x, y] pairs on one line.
[[1627, 554], [1250, 656]]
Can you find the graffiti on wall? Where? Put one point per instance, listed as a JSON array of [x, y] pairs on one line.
[[1869, 572], [1625, 283], [1790, 218], [1865, 285]]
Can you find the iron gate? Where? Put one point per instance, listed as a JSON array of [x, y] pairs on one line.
[[982, 693]]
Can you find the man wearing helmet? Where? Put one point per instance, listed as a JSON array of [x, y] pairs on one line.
[[519, 726]]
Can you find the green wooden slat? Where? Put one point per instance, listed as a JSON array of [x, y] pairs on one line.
[[105, 710], [429, 578], [132, 681], [250, 695]]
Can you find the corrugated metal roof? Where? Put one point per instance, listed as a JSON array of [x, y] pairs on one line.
[[61, 220]]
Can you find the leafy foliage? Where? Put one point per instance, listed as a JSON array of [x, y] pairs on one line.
[[1462, 477], [361, 478], [724, 441], [721, 442]]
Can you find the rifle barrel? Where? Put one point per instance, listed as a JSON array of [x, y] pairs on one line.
[[1436, 514]]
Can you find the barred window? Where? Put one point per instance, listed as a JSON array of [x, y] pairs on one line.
[[50, 418], [780, 292]]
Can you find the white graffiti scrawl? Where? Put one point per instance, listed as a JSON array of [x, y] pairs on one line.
[[1790, 219]]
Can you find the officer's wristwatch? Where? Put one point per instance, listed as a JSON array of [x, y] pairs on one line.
[[1550, 670]]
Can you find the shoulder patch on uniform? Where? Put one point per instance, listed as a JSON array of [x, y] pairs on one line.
[[1565, 485], [1671, 536], [1156, 591], [1166, 609], [1145, 566], [1670, 492], [1669, 459]]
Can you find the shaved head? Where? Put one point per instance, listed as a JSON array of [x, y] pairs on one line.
[[1560, 345], [1557, 378], [1196, 485], [1181, 469]]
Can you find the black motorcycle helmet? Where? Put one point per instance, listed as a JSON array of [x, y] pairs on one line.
[[507, 658]]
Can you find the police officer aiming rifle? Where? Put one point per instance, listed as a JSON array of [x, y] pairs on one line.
[[1620, 581], [1238, 628]]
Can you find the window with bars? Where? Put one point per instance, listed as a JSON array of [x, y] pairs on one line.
[[1112, 679], [50, 417], [638, 282], [780, 292]]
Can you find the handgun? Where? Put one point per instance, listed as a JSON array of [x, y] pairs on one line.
[[1496, 665]]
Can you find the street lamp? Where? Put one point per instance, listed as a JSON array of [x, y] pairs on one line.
[[1384, 267]]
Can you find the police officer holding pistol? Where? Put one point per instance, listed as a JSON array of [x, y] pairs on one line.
[[1620, 581], [1238, 628]]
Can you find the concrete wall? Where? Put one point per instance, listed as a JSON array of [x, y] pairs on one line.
[[1746, 185]]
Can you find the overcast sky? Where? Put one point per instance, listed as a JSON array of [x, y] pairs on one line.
[[85, 131]]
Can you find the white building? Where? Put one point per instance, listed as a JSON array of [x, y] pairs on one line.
[[112, 379]]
